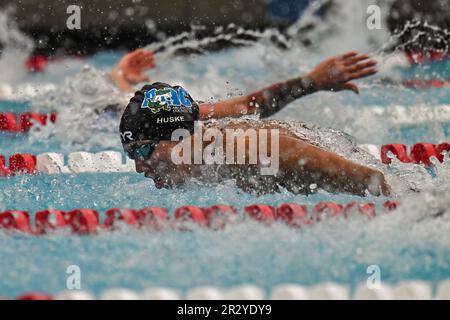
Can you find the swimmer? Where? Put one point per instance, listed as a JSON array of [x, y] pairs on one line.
[[157, 110]]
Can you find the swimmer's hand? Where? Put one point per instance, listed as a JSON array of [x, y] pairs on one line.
[[335, 73], [378, 185], [130, 69]]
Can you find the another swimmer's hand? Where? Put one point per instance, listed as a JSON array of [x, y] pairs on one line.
[[335, 73], [130, 69]]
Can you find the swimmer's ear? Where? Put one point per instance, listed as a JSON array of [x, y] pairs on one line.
[[351, 86]]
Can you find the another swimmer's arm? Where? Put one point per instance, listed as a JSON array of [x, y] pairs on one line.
[[332, 74], [129, 71], [119, 80], [266, 101]]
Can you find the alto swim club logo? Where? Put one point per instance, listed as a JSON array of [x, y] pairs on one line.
[[167, 99]]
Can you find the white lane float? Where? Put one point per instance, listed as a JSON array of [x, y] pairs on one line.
[[160, 293], [329, 291], [405, 290], [289, 292], [74, 295], [380, 292], [205, 293], [119, 294], [412, 290], [244, 292]]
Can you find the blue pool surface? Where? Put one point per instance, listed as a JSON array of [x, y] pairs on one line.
[[249, 252]]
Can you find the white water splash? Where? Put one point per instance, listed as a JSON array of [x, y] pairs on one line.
[[16, 47], [344, 27], [80, 102]]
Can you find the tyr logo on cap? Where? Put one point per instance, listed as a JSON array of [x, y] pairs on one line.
[[167, 99], [126, 136]]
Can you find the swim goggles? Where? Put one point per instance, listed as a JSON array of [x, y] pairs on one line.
[[140, 150]]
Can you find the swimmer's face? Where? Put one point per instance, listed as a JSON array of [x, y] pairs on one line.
[[160, 167]]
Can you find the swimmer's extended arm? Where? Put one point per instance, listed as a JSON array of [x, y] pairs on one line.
[[300, 161], [293, 160], [333, 74], [328, 169], [129, 70]]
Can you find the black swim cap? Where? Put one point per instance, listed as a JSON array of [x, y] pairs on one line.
[[155, 112]]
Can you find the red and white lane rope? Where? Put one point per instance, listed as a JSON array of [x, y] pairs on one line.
[[420, 153], [87, 221], [422, 57], [112, 161], [396, 115], [404, 290], [54, 163], [11, 122]]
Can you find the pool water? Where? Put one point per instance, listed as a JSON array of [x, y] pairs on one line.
[[409, 243]]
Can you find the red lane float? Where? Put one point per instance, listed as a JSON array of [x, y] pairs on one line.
[[34, 296], [83, 221], [36, 63], [53, 117], [86, 221], [421, 153], [190, 213], [23, 122], [327, 208], [3, 170], [18, 163], [21, 162], [218, 216], [390, 205], [366, 209], [49, 220], [155, 217], [433, 83], [421, 57], [399, 150], [261, 212], [114, 215], [8, 122], [39, 63], [15, 220], [294, 215], [441, 149], [28, 118]]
